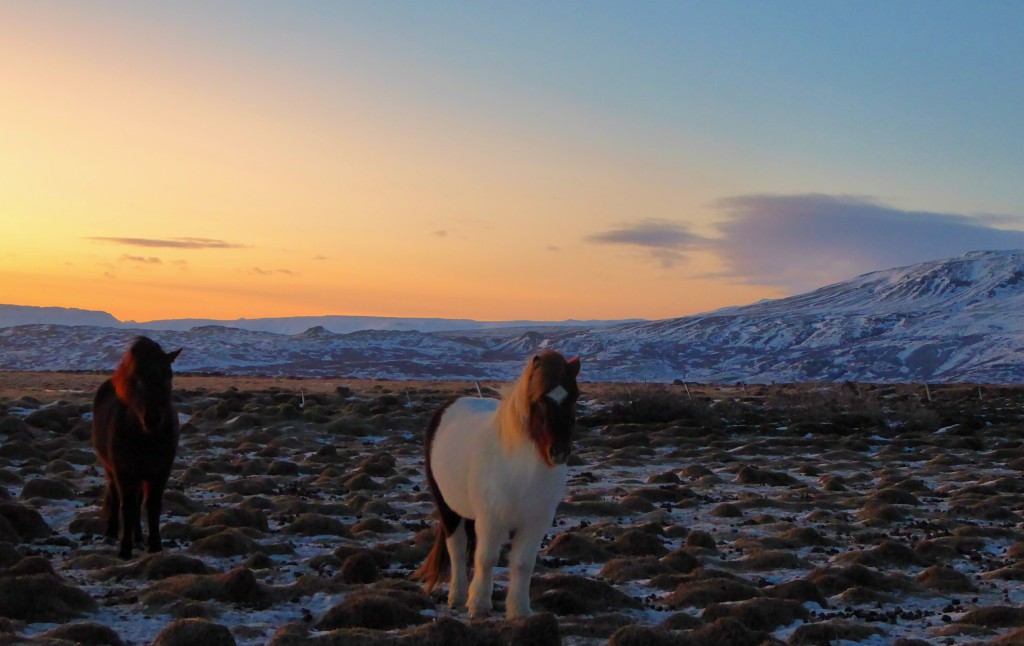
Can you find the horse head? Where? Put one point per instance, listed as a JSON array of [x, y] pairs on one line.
[[143, 381], [552, 397]]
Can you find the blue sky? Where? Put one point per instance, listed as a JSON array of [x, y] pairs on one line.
[[714, 152]]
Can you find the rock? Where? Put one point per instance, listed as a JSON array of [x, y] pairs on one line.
[[568, 594], [49, 488], [535, 630], [59, 419], [681, 561], [316, 525], [824, 632], [237, 586], [373, 525], [154, 567], [761, 614], [7, 532], [800, 590], [42, 598], [360, 567], [752, 475], [233, 517], [726, 510], [573, 546], [994, 617], [361, 482], [30, 565], [229, 542], [26, 521], [945, 579], [637, 542], [699, 538], [194, 632], [702, 592], [621, 570], [727, 632], [9, 554], [370, 610], [85, 633]]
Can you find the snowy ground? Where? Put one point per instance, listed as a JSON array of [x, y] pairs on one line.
[[898, 520]]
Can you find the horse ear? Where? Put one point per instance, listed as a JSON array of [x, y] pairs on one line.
[[171, 356], [574, 366]]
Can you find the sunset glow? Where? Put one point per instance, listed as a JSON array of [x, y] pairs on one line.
[[574, 160]]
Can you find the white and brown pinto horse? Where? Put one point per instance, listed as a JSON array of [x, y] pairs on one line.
[[495, 466]]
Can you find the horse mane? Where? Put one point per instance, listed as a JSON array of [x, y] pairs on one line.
[[122, 379], [513, 415]]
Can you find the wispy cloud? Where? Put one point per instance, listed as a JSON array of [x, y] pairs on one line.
[[171, 243], [271, 272], [664, 240], [800, 242], [151, 260]]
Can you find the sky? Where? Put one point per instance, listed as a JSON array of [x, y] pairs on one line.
[[496, 160]]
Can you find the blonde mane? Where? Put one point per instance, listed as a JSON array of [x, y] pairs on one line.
[[513, 414]]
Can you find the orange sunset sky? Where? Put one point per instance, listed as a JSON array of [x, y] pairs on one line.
[[495, 161]]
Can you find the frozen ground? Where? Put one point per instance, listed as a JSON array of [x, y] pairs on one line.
[[801, 515]]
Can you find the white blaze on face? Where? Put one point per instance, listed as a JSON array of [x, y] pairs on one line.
[[557, 394]]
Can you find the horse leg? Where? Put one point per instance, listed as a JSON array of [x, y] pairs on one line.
[[112, 508], [459, 584], [154, 500], [489, 536], [138, 517], [522, 560], [130, 508]]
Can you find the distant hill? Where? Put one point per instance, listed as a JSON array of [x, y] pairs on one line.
[[954, 320], [11, 315], [347, 324]]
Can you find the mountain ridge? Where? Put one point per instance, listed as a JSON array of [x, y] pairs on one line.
[[953, 320]]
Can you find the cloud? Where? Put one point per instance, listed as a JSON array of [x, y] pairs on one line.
[[801, 242], [663, 240], [441, 233], [151, 260], [172, 243], [271, 272]]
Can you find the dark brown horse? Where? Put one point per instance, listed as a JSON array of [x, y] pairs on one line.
[[135, 435]]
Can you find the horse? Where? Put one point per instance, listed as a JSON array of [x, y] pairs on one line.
[[494, 466], [135, 437]]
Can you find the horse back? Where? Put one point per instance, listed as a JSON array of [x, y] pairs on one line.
[[462, 440]]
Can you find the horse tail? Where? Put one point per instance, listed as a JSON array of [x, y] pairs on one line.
[[436, 565]]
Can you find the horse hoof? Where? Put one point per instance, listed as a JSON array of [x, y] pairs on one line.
[[153, 549], [517, 613], [127, 556], [479, 613]]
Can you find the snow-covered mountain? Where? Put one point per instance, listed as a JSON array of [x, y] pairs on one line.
[[959, 319]]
